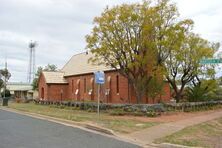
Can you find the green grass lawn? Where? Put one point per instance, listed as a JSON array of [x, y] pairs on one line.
[[116, 123], [208, 134]]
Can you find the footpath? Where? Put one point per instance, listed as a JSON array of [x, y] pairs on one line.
[[147, 136]]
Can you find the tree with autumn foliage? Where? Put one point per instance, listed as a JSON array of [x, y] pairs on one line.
[[136, 39]]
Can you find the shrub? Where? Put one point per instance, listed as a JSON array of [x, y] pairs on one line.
[[152, 114], [205, 90], [196, 93]]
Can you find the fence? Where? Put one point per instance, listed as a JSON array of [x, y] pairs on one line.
[[192, 106], [186, 107]]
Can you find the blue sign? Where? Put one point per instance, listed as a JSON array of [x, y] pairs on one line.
[[99, 77]]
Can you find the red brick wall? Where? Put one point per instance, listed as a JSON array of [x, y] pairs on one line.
[[125, 95], [113, 96], [51, 91], [166, 96], [77, 82], [57, 92], [43, 88]]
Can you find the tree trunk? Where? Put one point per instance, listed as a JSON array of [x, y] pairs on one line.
[[138, 94], [140, 88], [178, 97]]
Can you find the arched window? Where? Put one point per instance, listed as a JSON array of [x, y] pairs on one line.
[[72, 86], [84, 85], [42, 93], [117, 84], [78, 87], [91, 91]]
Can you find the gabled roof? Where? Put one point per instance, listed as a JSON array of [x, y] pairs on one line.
[[54, 77], [79, 64]]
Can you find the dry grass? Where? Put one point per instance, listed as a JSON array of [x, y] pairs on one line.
[[208, 134], [118, 124]]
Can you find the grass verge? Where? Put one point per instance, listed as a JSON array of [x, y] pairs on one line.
[[116, 123], [208, 134]]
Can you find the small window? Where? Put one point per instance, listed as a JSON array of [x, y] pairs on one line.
[[72, 86], [78, 83], [90, 92], [84, 85], [92, 83], [109, 79], [117, 84], [77, 92]]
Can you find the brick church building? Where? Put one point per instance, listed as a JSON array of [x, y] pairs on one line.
[[75, 82]]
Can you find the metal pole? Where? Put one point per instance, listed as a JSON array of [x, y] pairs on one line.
[[98, 99], [5, 87], [6, 67], [33, 66]]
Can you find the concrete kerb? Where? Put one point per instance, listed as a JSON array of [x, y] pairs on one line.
[[169, 145]]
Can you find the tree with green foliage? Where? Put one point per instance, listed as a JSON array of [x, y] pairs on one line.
[[4, 77], [220, 80], [183, 64], [136, 39], [49, 67], [5, 74], [36, 79], [155, 88], [1, 84], [5, 93]]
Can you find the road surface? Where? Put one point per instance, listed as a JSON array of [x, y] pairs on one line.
[[19, 131]]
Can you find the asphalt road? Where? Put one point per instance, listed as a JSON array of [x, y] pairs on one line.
[[19, 131]]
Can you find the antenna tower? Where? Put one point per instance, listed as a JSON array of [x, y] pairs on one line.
[[31, 66]]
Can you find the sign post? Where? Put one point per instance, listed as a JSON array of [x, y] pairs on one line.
[[98, 99], [99, 79]]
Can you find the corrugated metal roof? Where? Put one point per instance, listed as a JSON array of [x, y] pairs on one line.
[[19, 87], [79, 64], [54, 77]]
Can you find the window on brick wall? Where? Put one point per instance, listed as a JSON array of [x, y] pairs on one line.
[[117, 84], [84, 85], [72, 86]]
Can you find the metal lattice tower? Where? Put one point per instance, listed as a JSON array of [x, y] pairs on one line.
[[31, 66]]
